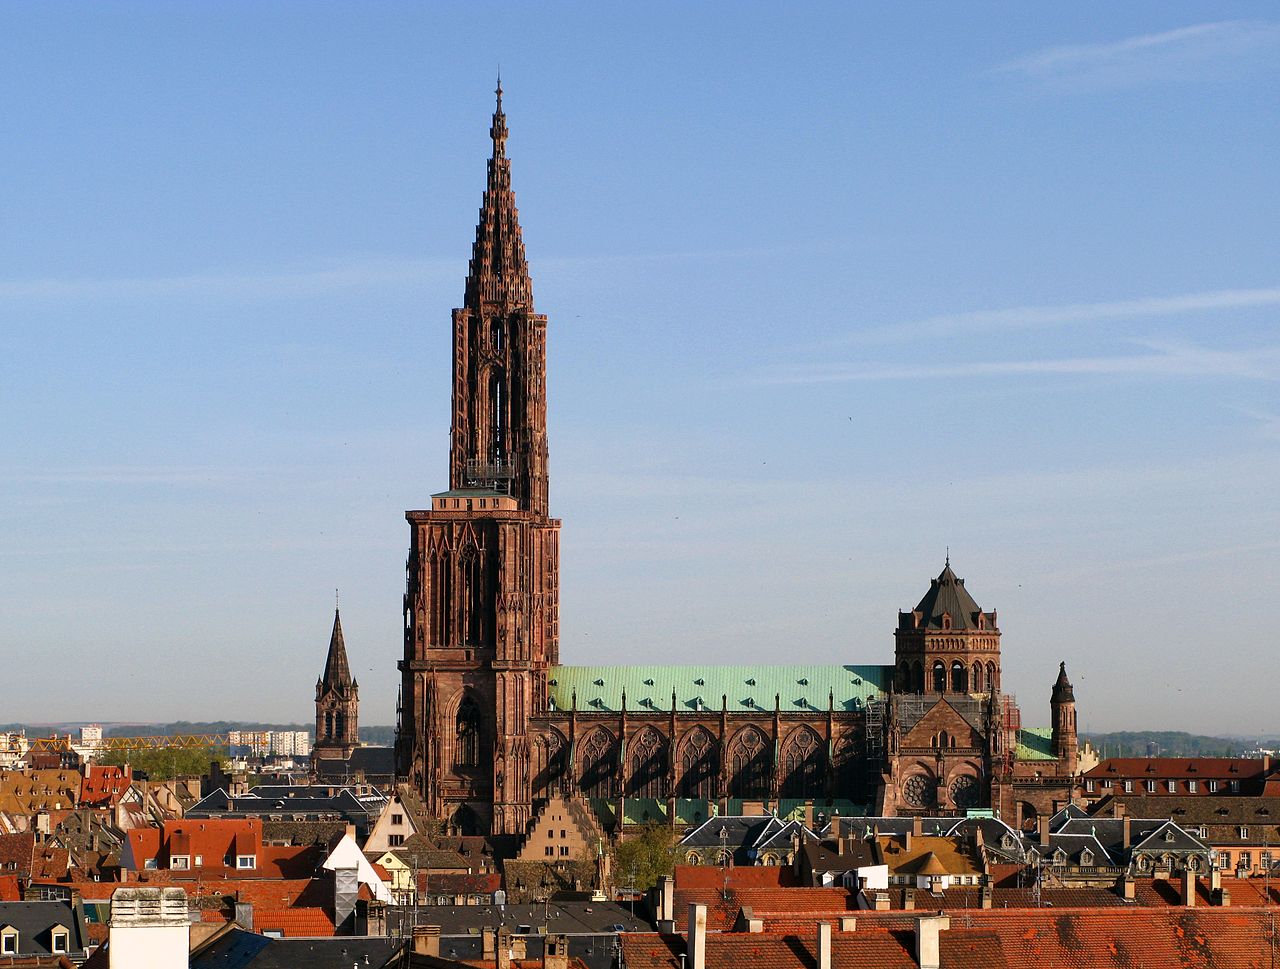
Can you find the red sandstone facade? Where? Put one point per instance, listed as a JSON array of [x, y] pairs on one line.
[[489, 725]]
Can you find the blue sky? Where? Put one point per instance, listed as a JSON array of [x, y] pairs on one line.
[[831, 290]]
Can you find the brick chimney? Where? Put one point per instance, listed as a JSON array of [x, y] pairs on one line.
[[928, 945], [848, 923], [881, 902], [697, 938], [555, 952], [1189, 888], [426, 940], [824, 945], [908, 899], [488, 943], [666, 903], [987, 895], [1126, 832], [1125, 887], [1044, 832]]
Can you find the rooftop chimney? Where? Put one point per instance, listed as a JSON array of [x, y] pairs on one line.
[[1126, 832], [1044, 832], [824, 945], [916, 827], [928, 947], [488, 943], [555, 952], [697, 938], [666, 899], [149, 927], [1126, 887], [1189, 888], [848, 923], [908, 899], [426, 940], [882, 902]]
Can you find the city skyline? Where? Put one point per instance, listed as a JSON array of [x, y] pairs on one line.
[[802, 342]]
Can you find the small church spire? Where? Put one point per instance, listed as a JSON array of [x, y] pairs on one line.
[[337, 672]]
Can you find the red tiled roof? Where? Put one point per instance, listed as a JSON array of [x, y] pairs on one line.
[[9, 889], [1222, 768], [50, 864], [104, 786], [721, 911], [750, 876], [1110, 938], [294, 922], [16, 854]]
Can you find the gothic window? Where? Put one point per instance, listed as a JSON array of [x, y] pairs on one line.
[[920, 790], [497, 416], [328, 726], [977, 678], [648, 762], [495, 335], [802, 764], [749, 760], [442, 596], [599, 773], [942, 739], [939, 678], [698, 767], [992, 682], [964, 791], [548, 764], [959, 678], [340, 727], [466, 749], [473, 570]]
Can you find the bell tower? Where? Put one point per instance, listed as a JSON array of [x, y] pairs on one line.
[[481, 606], [337, 702]]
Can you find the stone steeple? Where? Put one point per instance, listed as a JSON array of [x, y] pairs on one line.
[[337, 701], [1062, 706], [498, 441]]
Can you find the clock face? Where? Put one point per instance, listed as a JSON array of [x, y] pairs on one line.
[[964, 791], [920, 790]]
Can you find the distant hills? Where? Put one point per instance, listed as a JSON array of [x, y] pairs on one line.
[[1171, 743], [374, 734]]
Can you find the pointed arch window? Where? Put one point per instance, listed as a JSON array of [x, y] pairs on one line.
[[599, 765], [959, 678], [976, 683], [466, 748], [497, 416], [802, 765], [648, 765], [698, 766], [749, 758]]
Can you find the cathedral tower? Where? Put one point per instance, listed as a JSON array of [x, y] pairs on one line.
[[337, 702], [1062, 703], [947, 644], [481, 604]]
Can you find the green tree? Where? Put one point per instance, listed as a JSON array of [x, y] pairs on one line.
[[644, 858], [164, 764]]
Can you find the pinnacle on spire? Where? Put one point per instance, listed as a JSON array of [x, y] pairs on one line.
[[337, 673], [498, 273], [1063, 691]]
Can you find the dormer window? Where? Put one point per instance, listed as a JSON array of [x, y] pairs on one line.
[[1244, 831], [1059, 857], [946, 620], [179, 862], [1086, 858], [59, 939], [246, 861], [8, 940]]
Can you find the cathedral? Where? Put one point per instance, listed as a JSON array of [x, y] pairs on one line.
[[490, 724]]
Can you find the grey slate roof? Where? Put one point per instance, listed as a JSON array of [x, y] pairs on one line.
[[34, 921], [239, 949], [948, 595]]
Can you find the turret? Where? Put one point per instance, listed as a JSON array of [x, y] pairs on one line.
[[1062, 703], [947, 644]]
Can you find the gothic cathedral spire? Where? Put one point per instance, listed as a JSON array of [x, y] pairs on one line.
[[337, 701], [499, 434]]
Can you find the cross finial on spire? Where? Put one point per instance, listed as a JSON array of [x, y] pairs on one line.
[[948, 562], [499, 130], [335, 600], [498, 92]]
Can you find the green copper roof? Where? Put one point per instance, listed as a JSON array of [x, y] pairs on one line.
[[1035, 743], [599, 689]]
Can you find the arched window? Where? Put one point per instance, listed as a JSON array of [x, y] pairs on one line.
[[992, 682], [976, 684], [497, 416], [802, 765], [548, 764], [340, 727], [942, 739], [466, 748], [648, 752], [959, 678], [939, 678], [473, 572], [698, 766], [599, 763], [749, 759], [328, 726], [496, 335]]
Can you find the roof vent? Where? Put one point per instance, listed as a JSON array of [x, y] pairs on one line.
[[598, 682], [648, 682], [751, 681], [803, 681], [700, 681], [553, 681]]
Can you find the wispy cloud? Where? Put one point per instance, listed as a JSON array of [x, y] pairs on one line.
[[1162, 360], [1169, 54], [313, 281], [1044, 317]]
